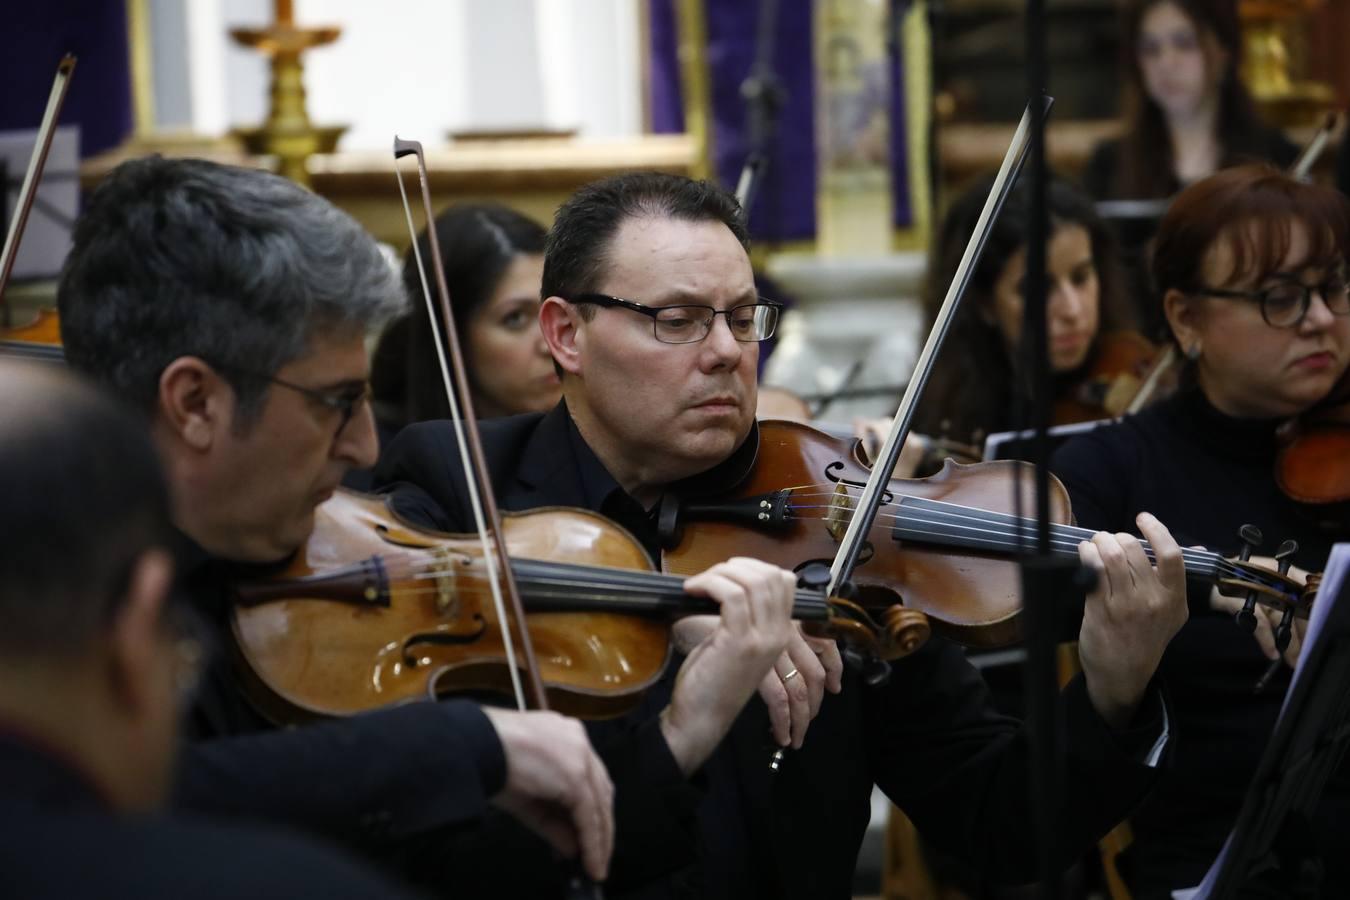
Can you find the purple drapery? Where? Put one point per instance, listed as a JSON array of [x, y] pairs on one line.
[[786, 206], [32, 41]]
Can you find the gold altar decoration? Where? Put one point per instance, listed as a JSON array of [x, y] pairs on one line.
[[288, 133], [1275, 65], [853, 135]]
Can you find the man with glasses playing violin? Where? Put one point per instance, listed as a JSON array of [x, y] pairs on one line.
[[651, 314], [98, 661]]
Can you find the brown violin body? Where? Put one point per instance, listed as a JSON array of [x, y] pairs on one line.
[[45, 329], [804, 482], [351, 640], [1313, 465], [1120, 367]]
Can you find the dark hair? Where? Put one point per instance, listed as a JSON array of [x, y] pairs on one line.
[[478, 243], [183, 257], [1146, 165], [84, 499], [1253, 208], [971, 389], [576, 252]]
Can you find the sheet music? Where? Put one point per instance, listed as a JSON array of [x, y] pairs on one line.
[[1338, 564]]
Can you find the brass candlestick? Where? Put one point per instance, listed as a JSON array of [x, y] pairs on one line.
[[288, 133]]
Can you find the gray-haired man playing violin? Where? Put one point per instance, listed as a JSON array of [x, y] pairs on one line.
[[230, 307], [651, 313]]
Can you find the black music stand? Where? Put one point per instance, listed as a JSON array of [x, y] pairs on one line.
[[1270, 852]]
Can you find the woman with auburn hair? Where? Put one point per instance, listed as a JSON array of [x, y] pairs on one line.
[[1250, 272], [1186, 111]]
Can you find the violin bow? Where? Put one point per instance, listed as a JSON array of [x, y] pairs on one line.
[[36, 163], [486, 515], [846, 559], [1308, 156]]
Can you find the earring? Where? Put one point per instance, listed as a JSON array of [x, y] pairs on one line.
[[1193, 351]]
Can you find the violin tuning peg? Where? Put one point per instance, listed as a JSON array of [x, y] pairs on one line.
[[1251, 538], [1284, 632], [1246, 617], [1285, 554]]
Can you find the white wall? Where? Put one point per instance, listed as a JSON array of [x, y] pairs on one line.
[[422, 68]]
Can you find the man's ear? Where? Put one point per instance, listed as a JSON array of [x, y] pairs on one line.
[[561, 324], [137, 639], [195, 402]]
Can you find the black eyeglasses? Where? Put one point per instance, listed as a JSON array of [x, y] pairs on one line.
[[343, 400], [689, 324], [1284, 305]]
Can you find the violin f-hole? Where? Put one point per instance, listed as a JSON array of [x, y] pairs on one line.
[[441, 639]]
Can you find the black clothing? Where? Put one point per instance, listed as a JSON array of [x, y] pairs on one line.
[[1102, 173], [385, 781], [1204, 475], [929, 738], [59, 839], [1101, 180]]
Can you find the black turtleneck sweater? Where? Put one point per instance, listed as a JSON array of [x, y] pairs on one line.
[[1204, 475]]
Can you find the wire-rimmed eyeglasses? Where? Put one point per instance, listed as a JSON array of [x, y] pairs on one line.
[[691, 323], [344, 400]]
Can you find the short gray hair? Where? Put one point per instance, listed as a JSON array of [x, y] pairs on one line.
[[242, 268]]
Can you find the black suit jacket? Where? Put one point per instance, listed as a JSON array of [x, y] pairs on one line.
[[929, 737], [59, 840]]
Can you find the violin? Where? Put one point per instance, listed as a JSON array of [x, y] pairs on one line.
[[1313, 463], [413, 620], [947, 546], [1121, 368]]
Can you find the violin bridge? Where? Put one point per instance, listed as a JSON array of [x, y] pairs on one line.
[[446, 565], [841, 512]]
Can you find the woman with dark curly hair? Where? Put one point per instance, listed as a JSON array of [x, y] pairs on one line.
[[973, 390]]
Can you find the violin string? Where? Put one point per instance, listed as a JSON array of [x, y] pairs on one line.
[[568, 573], [959, 512], [1204, 562], [576, 578], [922, 518], [805, 608], [1064, 538]]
